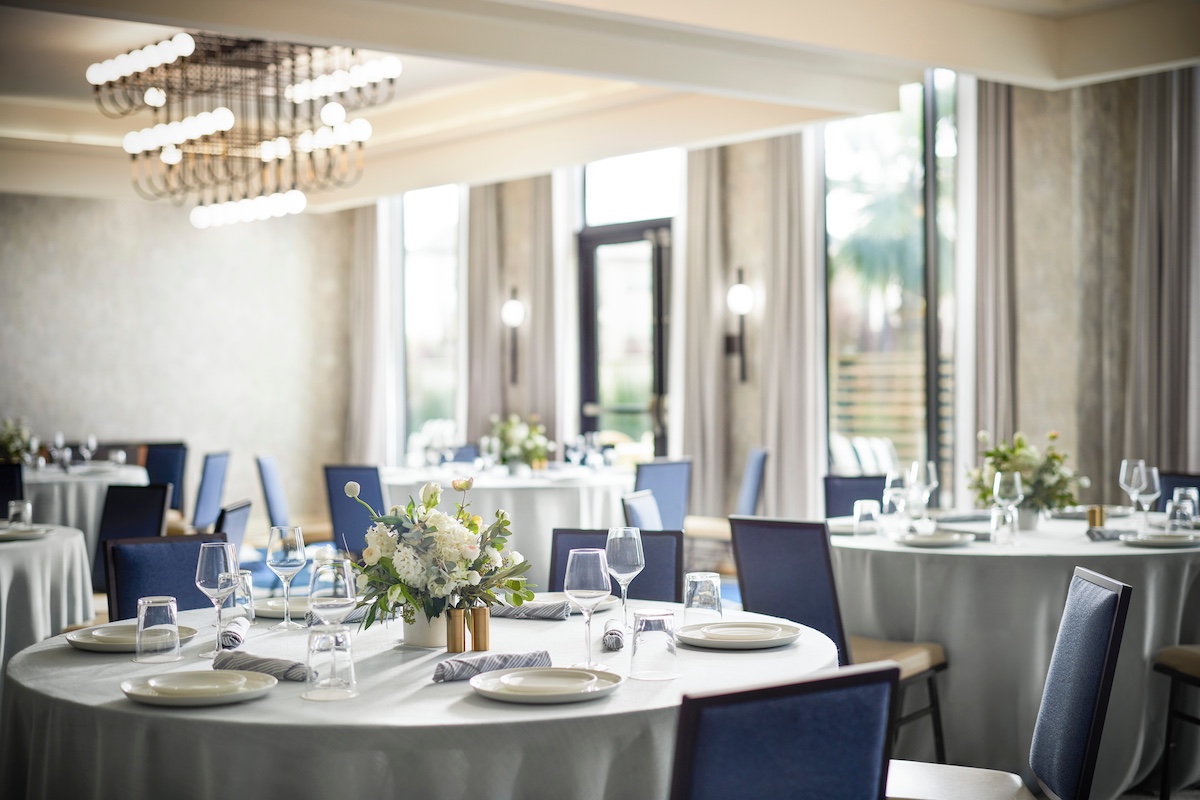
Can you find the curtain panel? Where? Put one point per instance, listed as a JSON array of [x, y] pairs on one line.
[[487, 358]]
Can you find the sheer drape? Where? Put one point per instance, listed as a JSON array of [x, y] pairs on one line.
[[1166, 266], [565, 224], [995, 310], [793, 360], [486, 359], [541, 366], [706, 393]]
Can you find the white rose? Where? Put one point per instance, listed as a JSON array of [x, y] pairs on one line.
[[352, 489], [430, 494], [471, 551], [473, 578], [371, 555], [362, 581], [396, 511], [517, 558], [494, 557]]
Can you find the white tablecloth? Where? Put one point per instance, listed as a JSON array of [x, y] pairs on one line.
[[67, 730], [997, 610], [45, 585], [76, 499], [537, 504]]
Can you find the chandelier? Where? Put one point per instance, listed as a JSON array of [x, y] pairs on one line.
[[246, 128]]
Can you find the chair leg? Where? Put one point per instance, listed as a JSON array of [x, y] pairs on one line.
[[1164, 792], [935, 713]]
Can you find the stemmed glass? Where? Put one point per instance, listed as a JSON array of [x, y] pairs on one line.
[[1008, 492], [1151, 489], [625, 561], [217, 576], [285, 557], [895, 493], [586, 584], [923, 478], [1132, 478], [332, 591]]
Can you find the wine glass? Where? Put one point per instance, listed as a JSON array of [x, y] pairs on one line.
[[625, 561], [923, 478], [1132, 478], [217, 575], [285, 557], [1008, 492], [1151, 489], [332, 591], [586, 584]]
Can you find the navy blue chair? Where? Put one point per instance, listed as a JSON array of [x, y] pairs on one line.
[[232, 522], [752, 479], [841, 491], [167, 463], [1170, 481], [1181, 664], [129, 512], [212, 487], [272, 486], [671, 482], [641, 511], [824, 737], [350, 519], [662, 578], [467, 453], [12, 484], [145, 567], [1070, 721], [785, 570]]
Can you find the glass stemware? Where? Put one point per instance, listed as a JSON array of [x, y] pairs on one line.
[[332, 591], [895, 503], [285, 557], [1132, 478], [217, 575], [626, 560], [923, 478], [586, 584], [1151, 489], [1008, 492]]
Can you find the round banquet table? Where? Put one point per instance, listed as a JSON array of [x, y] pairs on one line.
[[76, 498], [68, 731], [997, 609], [564, 497], [45, 585]]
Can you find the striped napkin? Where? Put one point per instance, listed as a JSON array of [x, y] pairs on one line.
[[534, 610], [234, 633], [614, 635], [355, 616], [280, 668], [459, 669]]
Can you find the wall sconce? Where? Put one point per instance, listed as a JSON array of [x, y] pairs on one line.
[[512, 314], [740, 300]]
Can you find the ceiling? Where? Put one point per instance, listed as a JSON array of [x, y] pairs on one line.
[[498, 89]]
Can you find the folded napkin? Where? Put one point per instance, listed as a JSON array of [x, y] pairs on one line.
[[354, 617], [234, 633], [534, 610], [614, 635], [281, 668], [459, 669]]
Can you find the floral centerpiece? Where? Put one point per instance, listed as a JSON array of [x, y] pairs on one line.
[[1047, 481], [420, 561], [17, 442], [522, 441]]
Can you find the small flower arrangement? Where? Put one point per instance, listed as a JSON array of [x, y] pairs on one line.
[[421, 558], [1047, 480], [522, 441], [17, 442]]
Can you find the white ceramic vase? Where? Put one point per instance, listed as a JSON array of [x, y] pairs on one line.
[[1027, 518], [425, 632]]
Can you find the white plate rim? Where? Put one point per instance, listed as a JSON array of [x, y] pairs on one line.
[[560, 672], [84, 640], [487, 684], [691, 635], [936, 539], [764, 627], [263, 608], [175, 683], [257, 684], [1160, 540]]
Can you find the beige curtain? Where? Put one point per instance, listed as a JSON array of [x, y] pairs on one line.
[[541, 356], [487, 354], [995, 314], [706, 392], [793, 358]]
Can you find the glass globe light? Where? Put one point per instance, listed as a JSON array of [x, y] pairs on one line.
[[155, 97], [391, 67], [95, 75], [740, 299], [184, 44], [512, 313], [201, 218], [333, 113], [171, 155], [295, 200], [132, 143], [360, 130]]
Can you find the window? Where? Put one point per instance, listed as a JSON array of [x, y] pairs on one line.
[[891, 283]]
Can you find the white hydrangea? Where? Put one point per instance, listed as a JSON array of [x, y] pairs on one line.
[[410, 569], [495, 560], [380, 537]]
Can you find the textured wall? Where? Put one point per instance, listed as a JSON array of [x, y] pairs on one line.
[[123, 320]]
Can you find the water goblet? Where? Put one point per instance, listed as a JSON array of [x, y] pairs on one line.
[[1131, 478], [217, 575], [1148, 495], [626, 560], [586, 584], [866, 517], [923, 478], [332, 592], [285, 557]]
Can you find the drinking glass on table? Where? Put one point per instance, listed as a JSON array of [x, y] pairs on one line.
[[1148, 496], [217, 575], [1132, 478], [923, 479], [653, 656], [332, 591], [894, 520], [866, 517], [626, 560], [285, 557], [1180, 514], [586, 584], [20, 514], [701, 597], [157, 634], [1007, 493]]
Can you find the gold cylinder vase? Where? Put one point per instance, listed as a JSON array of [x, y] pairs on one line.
[[456, 630], [481, 628]]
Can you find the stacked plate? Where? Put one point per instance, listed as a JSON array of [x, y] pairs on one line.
[[546, 685], [1160, 539], [272, 607], [939, 538], [205, 688], [119, 637], [740, 635]]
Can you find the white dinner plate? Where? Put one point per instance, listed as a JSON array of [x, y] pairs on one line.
[[1160, 540], [548, 680], [936, 539], [272, 607], [254, 684], [119, 637], [717, 635], [197, 684], [499, 685], [1080, 512], [550, 598], [22, 534]]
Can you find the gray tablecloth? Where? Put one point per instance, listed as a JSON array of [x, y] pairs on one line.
[[76, 499]]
